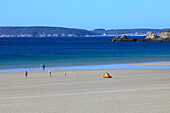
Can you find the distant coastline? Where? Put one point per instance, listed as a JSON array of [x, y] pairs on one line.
[[38, 31]]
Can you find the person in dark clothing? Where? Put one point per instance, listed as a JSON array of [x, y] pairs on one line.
[[43, 66]]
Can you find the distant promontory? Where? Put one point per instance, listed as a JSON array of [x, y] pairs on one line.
[[43, 32]]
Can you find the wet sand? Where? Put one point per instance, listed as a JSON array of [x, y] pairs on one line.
[[128, 91]]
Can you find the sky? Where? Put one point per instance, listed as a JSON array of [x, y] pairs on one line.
[[86, 14]]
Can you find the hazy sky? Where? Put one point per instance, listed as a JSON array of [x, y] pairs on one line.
[[86, 14]]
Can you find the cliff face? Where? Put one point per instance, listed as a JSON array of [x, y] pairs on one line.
[[165, 35]]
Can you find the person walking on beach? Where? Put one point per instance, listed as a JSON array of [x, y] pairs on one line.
[[49, 72], [43, 66], [26, 73]]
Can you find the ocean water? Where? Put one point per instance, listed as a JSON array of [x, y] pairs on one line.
[[63, 52]]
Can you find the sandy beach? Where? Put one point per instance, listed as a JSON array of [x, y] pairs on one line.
[[128, 91]]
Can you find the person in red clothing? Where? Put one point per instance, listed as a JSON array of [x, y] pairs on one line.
[[26, 73], [41, 67]]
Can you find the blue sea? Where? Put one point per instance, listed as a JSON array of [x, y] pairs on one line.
[[81, 52]]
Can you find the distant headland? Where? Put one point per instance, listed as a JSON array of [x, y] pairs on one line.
[[42, 31], [150, 37]]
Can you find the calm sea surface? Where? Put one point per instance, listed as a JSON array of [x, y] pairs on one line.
[[76, 51]]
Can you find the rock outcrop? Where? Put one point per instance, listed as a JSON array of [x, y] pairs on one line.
[[147, 34], [116, 37], [165, 35], [123, 37], [151, 35], [139, 40]]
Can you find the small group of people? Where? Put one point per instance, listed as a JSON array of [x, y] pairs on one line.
[[49, 72], [42, 66]]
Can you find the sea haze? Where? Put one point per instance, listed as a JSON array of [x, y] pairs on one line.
[[77, 51]]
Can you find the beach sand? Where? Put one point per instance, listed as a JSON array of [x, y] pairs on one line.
[[128, 91]]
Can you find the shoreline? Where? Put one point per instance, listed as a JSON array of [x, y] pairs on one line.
[[144, 65]]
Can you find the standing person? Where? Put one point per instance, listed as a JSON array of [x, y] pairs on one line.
[[49, 72], [43, 66], [65, 74], [26, 73]]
